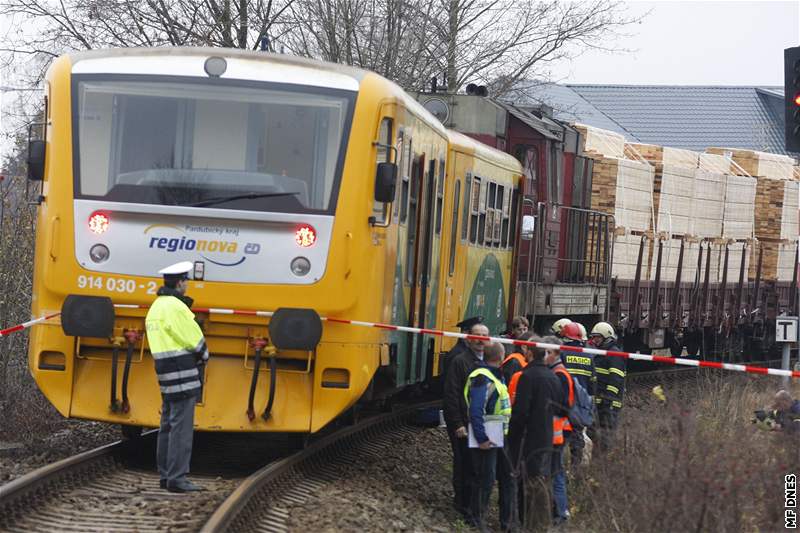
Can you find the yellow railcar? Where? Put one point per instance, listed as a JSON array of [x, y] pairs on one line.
[[273, 175]]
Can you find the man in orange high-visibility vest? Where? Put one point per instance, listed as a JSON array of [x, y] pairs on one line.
[[561, 426]]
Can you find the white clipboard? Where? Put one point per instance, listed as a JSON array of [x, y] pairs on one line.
[[494, 426]]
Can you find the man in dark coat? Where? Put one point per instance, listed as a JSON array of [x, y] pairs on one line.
[[456, 415], [539, 397]]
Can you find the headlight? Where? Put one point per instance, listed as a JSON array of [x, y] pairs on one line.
[[300, 266], [99, 253]]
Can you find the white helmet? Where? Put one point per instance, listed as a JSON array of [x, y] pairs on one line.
[[605, 330], [583, 332], [559, 324]]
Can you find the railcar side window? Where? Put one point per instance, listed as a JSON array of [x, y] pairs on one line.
[[398, 192], [499, 217], [454, 227], [380, 210], [466, 208], [406, 170], [416, 171], [491, 214], [482, 200], [440, 197], [475, 210], [512, 230], [506, 209]]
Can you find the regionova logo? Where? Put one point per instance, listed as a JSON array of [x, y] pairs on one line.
[[202, 240]]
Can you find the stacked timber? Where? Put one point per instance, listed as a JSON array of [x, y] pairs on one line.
[[777, 226], [790, 229], [756, 163], [774, 209], [673, 196], [707, 202], [597, 142], [738, 217], [714, 163], [622, 188]]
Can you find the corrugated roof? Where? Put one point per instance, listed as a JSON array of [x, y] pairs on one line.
[[533, 121], [568, 105], [692, 117]]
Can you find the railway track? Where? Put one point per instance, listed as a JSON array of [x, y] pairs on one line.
[[115, 487]]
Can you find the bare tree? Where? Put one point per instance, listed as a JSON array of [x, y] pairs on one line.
[[494, 42]]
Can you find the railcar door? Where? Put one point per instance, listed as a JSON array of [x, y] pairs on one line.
[[424, 194]]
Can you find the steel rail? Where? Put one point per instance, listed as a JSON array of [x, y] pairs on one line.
[[235, 506], [32, 483]]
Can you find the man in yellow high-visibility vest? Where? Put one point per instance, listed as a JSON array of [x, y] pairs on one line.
[[179, 353]]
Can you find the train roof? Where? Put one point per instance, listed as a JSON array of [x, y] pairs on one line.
[[468, 145], [356, 74]]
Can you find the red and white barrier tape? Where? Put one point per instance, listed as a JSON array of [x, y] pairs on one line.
[[423, 331], [26, 325]]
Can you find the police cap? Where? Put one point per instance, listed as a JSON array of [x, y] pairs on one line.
[[177, 271], [467, 323]]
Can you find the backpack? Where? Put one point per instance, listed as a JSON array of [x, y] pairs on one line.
[[582, 412]]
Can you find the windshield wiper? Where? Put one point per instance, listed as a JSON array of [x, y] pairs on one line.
[[248, 196]]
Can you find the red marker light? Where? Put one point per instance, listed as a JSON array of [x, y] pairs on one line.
[[305, 236], [797, 99], [98, 222]]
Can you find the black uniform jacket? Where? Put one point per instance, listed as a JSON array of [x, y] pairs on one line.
[[530, 433], [610, 378], [455, 406], [580, 367]]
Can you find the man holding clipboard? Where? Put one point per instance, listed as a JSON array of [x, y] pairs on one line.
[[489, 410]]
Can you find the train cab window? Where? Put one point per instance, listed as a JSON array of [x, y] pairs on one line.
[[159, 143], [440, 197], [380, 210], [474, 214], [454, 227], [466, 208], [404, 186]]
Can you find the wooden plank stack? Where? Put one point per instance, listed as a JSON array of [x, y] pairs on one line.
[[624, 188], [738, 213], [597, 142], [725, 197], [774, 210], [707, 203], [757, 163]]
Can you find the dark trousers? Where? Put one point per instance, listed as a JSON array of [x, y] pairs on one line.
[[174, 445], [607, 420], [507, 490], [481, 483], [462, 472], [538, 503]]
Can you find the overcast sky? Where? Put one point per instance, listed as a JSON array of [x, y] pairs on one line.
[[696, 43], [678, 42]]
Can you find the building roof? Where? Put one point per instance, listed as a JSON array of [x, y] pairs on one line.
[[691, 117]]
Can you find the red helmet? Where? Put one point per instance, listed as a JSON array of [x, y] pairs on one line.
[[572, 331]]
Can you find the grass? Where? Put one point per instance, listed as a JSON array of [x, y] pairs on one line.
[[693, 463]]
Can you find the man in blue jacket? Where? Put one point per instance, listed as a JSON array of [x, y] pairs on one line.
[[488, 403]]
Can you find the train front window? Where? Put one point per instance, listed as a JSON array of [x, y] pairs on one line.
[[229, 146]]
